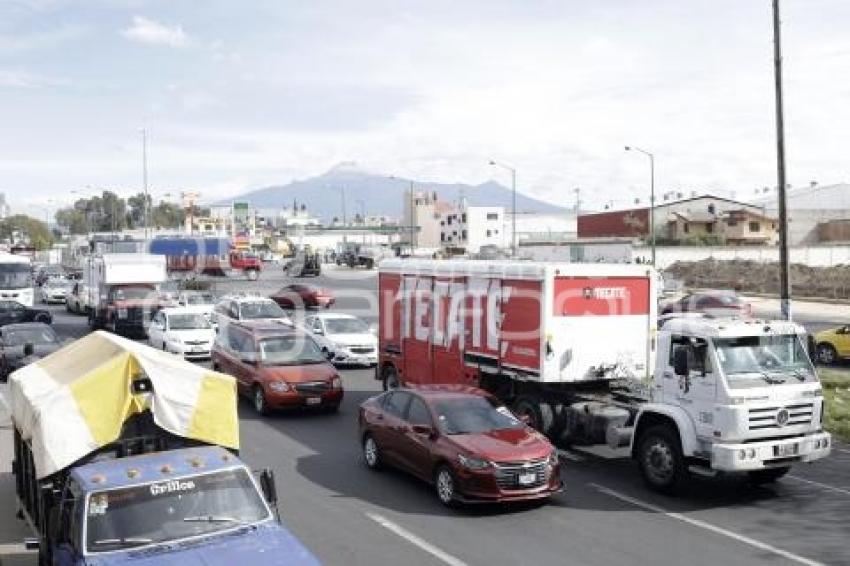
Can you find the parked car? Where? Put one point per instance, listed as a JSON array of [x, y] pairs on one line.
[[718, 304], [55, 290], [183, 332], [248, 307], [461, 440], [12, 312], [75, 301], [277, 366], [346, 338], [299, 295], [23, 343], [833, 345]]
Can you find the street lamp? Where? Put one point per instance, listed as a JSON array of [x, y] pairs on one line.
[[145, 179], [651, 196], [411, 226], [513, 206]]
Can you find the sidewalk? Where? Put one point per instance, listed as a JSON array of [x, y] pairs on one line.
[[12, 530]]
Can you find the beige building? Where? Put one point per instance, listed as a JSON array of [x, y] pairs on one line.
[[736, 227], [422, 213]]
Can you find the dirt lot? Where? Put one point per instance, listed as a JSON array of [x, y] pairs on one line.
[[755, 277]]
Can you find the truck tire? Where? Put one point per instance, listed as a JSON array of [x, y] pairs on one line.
[[660, 458], [390, 378], [769, 475], [826, 354], [539, 412]]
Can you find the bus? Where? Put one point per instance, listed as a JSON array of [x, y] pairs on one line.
[[16, 278]]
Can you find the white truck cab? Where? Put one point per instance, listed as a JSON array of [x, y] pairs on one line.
[[729, 395]]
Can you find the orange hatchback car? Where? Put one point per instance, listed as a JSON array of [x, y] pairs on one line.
[[277, 366]]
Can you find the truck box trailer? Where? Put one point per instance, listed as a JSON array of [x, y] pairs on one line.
[[123, 290], [575, 349], [208, 256], [126, 453]]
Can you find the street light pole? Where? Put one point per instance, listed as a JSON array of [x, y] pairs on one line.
[[651, 196], [146, 209], [784, 279], [513, 205]]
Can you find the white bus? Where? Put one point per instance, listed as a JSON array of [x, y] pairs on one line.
[[16, 279]]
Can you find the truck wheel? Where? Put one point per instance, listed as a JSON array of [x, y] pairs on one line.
[[371, 453], [260, 404], [660, 458], [826, 354], [390, 378], [769, 475], [538, 412]]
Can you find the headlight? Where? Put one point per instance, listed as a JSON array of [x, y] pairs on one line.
[[339, 346], [553, 458], [471, 463], [336, 383], [813, 393], [175, 339], [122, 313], [279, 386]]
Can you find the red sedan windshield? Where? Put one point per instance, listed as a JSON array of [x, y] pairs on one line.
[[472, 415]]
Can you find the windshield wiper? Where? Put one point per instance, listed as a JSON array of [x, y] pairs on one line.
[[212, 519], [762, 374], [126, 541]]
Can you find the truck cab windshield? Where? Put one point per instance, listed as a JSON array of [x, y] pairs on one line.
[[132, 293], [170, 510], [753, 361], [15, 276]]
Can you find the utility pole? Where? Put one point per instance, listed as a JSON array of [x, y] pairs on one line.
[[342, 196], [784, 280], [146, 210], [513, 207], [651, 157], [577, 191], [412, 221]]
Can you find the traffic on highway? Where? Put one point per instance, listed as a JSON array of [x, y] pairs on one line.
[[421, 406]]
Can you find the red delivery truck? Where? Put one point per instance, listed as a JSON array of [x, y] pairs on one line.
[[572, 348]]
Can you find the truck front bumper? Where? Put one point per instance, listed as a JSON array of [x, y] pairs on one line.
[[770, 453]]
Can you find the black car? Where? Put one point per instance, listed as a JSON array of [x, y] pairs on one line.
[[21, 344], [12, 312]]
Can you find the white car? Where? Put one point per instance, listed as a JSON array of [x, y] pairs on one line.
[[55, 290], [182, 332], [240, 308], [198, 301], [346, 337]]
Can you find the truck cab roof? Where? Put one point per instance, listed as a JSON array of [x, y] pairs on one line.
[[727, 327], [152, 467]]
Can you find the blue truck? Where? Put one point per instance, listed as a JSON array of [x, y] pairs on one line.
[[149, 495]]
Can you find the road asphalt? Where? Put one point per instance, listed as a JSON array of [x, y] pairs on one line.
[[349, 515]]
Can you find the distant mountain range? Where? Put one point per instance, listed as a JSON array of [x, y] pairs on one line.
[[378, 194]]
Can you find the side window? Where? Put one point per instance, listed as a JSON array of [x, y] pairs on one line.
[[317, 325], [417, 413], [396, 403], [698, 358]]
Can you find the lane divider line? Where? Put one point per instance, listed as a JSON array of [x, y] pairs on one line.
[[820, 485], [706, 526], [416, 540], [572, 456], [10, 548]]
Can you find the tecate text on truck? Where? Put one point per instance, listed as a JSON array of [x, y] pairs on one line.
[[575, 349]]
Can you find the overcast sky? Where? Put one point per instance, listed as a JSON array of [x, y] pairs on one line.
[[243, 94]]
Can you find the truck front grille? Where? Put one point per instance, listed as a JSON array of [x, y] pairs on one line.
[[508, 474], [769, 417]]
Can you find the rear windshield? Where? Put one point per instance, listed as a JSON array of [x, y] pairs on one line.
[[21, 336], [290, 350], [188, 322], [345, 326], [261, 309]]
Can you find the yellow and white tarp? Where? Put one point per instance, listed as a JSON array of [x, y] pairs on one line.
[[76, 400]]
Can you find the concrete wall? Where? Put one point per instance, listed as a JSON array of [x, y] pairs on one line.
[[813, 256]]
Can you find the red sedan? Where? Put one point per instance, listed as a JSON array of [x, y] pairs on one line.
[[713, 303], [299, 295], [462, 441]]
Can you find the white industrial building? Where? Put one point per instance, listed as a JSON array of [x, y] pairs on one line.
[[471, 227]]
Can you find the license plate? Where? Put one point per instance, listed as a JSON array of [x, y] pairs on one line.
[[785, 450], [198, 349], [527, 479], [314, 400]]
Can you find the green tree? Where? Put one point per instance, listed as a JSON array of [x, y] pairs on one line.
[[136, 205], [21, 228]]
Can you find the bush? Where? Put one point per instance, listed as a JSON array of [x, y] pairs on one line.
[[836, 394]]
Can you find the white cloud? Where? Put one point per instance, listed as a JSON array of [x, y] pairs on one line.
[[15, 78], [145, 30]]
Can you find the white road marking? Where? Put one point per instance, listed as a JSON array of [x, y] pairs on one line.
[[707, 526], [567, 455], [415, 540], [13, 548], [842, 450], [821, 485]]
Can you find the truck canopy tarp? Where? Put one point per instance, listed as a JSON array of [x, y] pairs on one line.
[[179, 247], [76, 400]]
